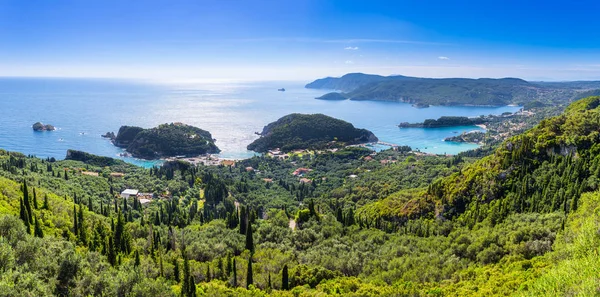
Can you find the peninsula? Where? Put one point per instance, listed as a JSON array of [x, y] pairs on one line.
[[309, 131], [445, 121], [422, 92], [166, 140]]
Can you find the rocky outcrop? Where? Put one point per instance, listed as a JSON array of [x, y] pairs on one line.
[[110, 135], [39, 127]]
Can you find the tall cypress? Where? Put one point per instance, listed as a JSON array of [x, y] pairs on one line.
[[35, 202], [234, 268], [75, 221], [285, 278], [228, 268], [82, 230], [46, 205], [111, 253], [249, 280], [27, 202], [137, 259], [176, 273], [37, 230], [185, 286], [249, 239]]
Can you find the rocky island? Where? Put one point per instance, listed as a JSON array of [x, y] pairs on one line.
[[166, 140], [309, 131], [109, 135], [39, 127]]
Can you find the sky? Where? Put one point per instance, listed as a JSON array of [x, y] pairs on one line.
[[180, 40]]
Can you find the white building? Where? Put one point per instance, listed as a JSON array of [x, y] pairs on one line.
[[128, 193]]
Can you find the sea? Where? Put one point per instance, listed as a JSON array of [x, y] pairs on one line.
[[84, 109]]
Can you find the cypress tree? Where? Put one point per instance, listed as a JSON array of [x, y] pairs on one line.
[[228, 268], [285, 278], [35, 202], [37, 231], [75, 225], [111, 254], [27, 203], [46, 205], [192, 289], [162, 270], [221, 274], [249, 239], [208, 277], [234, 268], [23, 212], [249, 280], [137, 259], [176, 273], [82, 230], [185, 286], [269, 283]]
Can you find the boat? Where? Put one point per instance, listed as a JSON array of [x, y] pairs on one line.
[[281, 90]]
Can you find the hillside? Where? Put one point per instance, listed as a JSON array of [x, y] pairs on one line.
[[451, 91], [309, 131], [521, 221], [543, 170], [167, 140]]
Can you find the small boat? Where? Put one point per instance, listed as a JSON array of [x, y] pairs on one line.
[[281, 90]]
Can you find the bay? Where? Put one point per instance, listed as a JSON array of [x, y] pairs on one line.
[[84, 109]]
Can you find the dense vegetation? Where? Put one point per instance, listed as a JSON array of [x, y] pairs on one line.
[[166, 140], [521, 221], [309, 131], [452, 91], [471, 136], [445, 121]]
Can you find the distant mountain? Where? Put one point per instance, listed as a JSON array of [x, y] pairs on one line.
[[167, 140], [450, 91], [309, 131]]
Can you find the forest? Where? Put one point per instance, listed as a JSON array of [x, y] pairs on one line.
[[520, 219]]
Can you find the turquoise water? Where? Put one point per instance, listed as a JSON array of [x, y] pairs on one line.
[[82, 110]]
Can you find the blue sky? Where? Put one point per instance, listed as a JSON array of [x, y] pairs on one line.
[[299, 40]]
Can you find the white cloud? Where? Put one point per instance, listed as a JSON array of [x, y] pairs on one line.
[[349, 62], [351, 48], [443, 58]]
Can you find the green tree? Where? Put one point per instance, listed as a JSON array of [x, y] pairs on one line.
[[46, 205], [249, 280], [285, 283], [35, 202], [137, 259], [234, 267], [249, 239], [176, 273], [37, 231]]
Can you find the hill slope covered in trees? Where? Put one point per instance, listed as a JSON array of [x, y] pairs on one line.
[[309, 131], [521, 221]]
